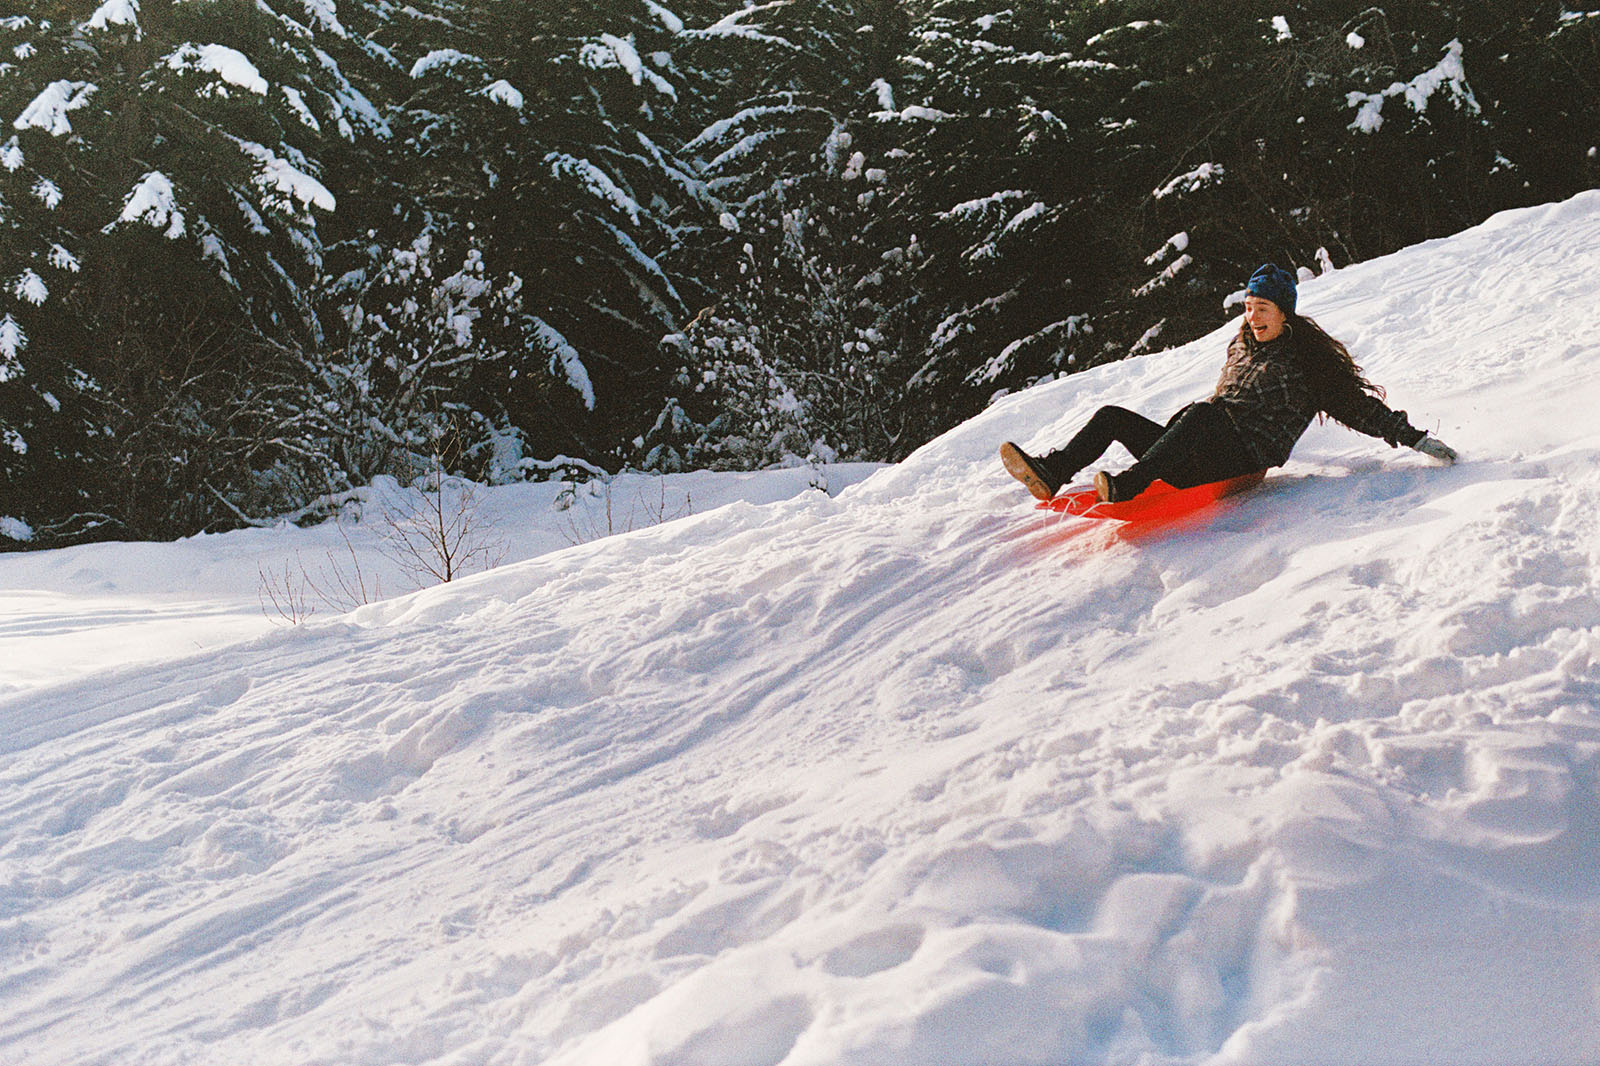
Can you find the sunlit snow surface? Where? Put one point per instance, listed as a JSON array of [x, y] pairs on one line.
[[912, 774]]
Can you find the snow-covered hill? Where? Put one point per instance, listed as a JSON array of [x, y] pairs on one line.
[[67, 613], [912, 775]]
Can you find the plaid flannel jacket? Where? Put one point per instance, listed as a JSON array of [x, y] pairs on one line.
[[1270, 398]]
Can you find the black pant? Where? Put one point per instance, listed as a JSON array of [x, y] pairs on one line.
[[1197, 445]]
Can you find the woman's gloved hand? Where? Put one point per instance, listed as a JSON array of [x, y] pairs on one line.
[[1435, 448]]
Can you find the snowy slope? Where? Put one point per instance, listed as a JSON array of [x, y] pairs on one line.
[[911, 775], [71, 612]]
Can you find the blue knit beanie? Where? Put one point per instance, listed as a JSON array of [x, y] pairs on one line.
[[1271, 283]]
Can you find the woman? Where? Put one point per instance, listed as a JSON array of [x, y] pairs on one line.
[[1282, 371]]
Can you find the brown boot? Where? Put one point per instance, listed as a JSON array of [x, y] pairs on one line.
[[1028, 470], [1105, 488]]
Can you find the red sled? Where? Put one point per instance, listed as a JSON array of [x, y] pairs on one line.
[[1158, 501]]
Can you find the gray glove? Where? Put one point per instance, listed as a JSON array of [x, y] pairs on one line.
[[1435, 448]]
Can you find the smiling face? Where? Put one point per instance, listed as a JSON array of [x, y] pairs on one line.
[[1264, 318]]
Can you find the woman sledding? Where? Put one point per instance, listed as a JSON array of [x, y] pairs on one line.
[[1282, 371]]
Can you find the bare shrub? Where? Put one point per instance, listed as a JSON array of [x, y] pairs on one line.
[[439, 532], [338, 585], [434, 532], [646, 509]]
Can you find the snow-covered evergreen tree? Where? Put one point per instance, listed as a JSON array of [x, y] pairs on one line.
[[45, 397], [1308, 134], [793, 274], [177, 147], [427, 338], [997, 172], [546, 133]]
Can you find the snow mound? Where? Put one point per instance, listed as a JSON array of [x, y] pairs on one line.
[[914, 774]]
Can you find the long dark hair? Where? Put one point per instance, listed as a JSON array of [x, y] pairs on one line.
[[1332, 368]]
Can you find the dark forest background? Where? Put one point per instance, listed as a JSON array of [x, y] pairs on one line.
[[253, 254]]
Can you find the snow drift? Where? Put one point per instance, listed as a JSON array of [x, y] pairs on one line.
[[911, 775]]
